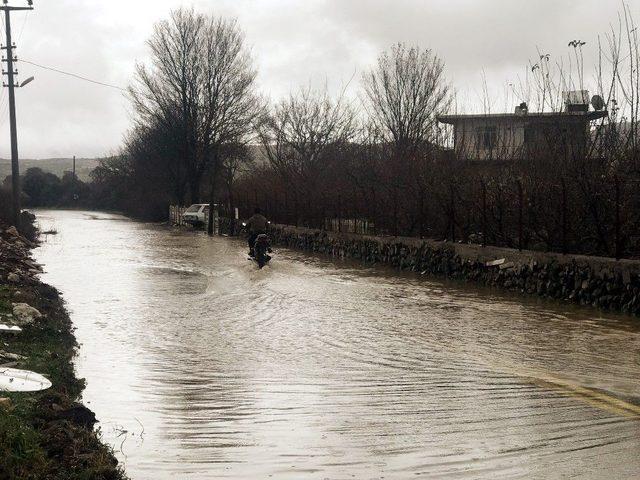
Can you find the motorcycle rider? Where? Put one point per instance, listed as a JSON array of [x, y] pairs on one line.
[[256, 225]]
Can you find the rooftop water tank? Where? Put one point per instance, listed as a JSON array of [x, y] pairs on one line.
[[576, 100]]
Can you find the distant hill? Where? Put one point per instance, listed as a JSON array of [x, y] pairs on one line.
[[57, 166]]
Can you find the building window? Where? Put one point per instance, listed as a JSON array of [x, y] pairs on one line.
[[487, 138]]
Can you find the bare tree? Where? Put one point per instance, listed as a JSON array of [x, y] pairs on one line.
[[404, 93], [299, 135], [235, 159], [168, 91], [229, 99], [201, 85]]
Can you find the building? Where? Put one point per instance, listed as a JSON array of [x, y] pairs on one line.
[[508, 136]]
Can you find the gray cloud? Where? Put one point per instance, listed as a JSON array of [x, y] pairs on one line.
[[294, 43]]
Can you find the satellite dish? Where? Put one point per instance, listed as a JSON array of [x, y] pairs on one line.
[[597, 102], [14, 380]]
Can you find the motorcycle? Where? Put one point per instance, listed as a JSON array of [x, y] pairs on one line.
[[261, 249]]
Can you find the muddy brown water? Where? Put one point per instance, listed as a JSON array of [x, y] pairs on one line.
[[199, 366]]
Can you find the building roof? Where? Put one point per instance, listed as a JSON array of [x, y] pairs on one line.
[[452, 119]]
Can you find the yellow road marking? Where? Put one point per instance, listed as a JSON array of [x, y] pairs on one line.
[[596, 399]]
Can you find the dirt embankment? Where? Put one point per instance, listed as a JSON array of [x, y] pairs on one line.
[[48, 434]]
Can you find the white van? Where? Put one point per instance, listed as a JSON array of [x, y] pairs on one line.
[[196, 214]]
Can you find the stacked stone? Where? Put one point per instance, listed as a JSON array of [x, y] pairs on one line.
[[605, 283]]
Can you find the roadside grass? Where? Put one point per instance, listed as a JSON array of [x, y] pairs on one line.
[[5, 303], [36, 441]]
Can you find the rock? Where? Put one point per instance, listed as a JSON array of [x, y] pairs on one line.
[[5, 403], [10, 356], [579, 281], [25, 314], [78, 414], [495, 263]]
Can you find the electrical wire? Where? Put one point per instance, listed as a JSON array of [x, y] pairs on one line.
[[24, 23], [80, 77]]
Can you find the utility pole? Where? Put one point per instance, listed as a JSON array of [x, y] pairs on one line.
[[74, 193], [10, 72]]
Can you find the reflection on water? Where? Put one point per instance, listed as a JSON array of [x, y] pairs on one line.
[[200, 366]]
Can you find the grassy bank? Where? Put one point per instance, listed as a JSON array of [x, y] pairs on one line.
[[44, 435]]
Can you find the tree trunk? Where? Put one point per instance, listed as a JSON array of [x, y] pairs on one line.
[[194, 187], [179, 193]]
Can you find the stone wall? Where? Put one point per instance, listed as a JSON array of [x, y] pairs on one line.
[[600, 282]]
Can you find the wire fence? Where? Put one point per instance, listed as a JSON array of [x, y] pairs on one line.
[[176, 215], [601, 219]]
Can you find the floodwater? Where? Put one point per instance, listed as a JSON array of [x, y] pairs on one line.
[[199, 366]]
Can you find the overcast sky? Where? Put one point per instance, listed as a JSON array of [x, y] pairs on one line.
[[293, 42]]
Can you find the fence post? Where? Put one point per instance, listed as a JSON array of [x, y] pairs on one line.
[[564, 215], [618, 246], [374, 207], [520, 201], [339, 214], [275, 212], [285, 215], [453, 214], [484, 213], [421, 213]]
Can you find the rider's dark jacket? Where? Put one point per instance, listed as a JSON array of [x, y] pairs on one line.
[[257, 223]]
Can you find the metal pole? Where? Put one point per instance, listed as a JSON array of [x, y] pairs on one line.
[[74, 189], [212, 197], [15, 166], [210, 217]]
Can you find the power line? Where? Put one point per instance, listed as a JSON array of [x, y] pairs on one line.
[[80, 77], [24, 23]]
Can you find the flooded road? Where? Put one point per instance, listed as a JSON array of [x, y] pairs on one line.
[[199, 366]]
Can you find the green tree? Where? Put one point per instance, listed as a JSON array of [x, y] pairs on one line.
[[42, 189]]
